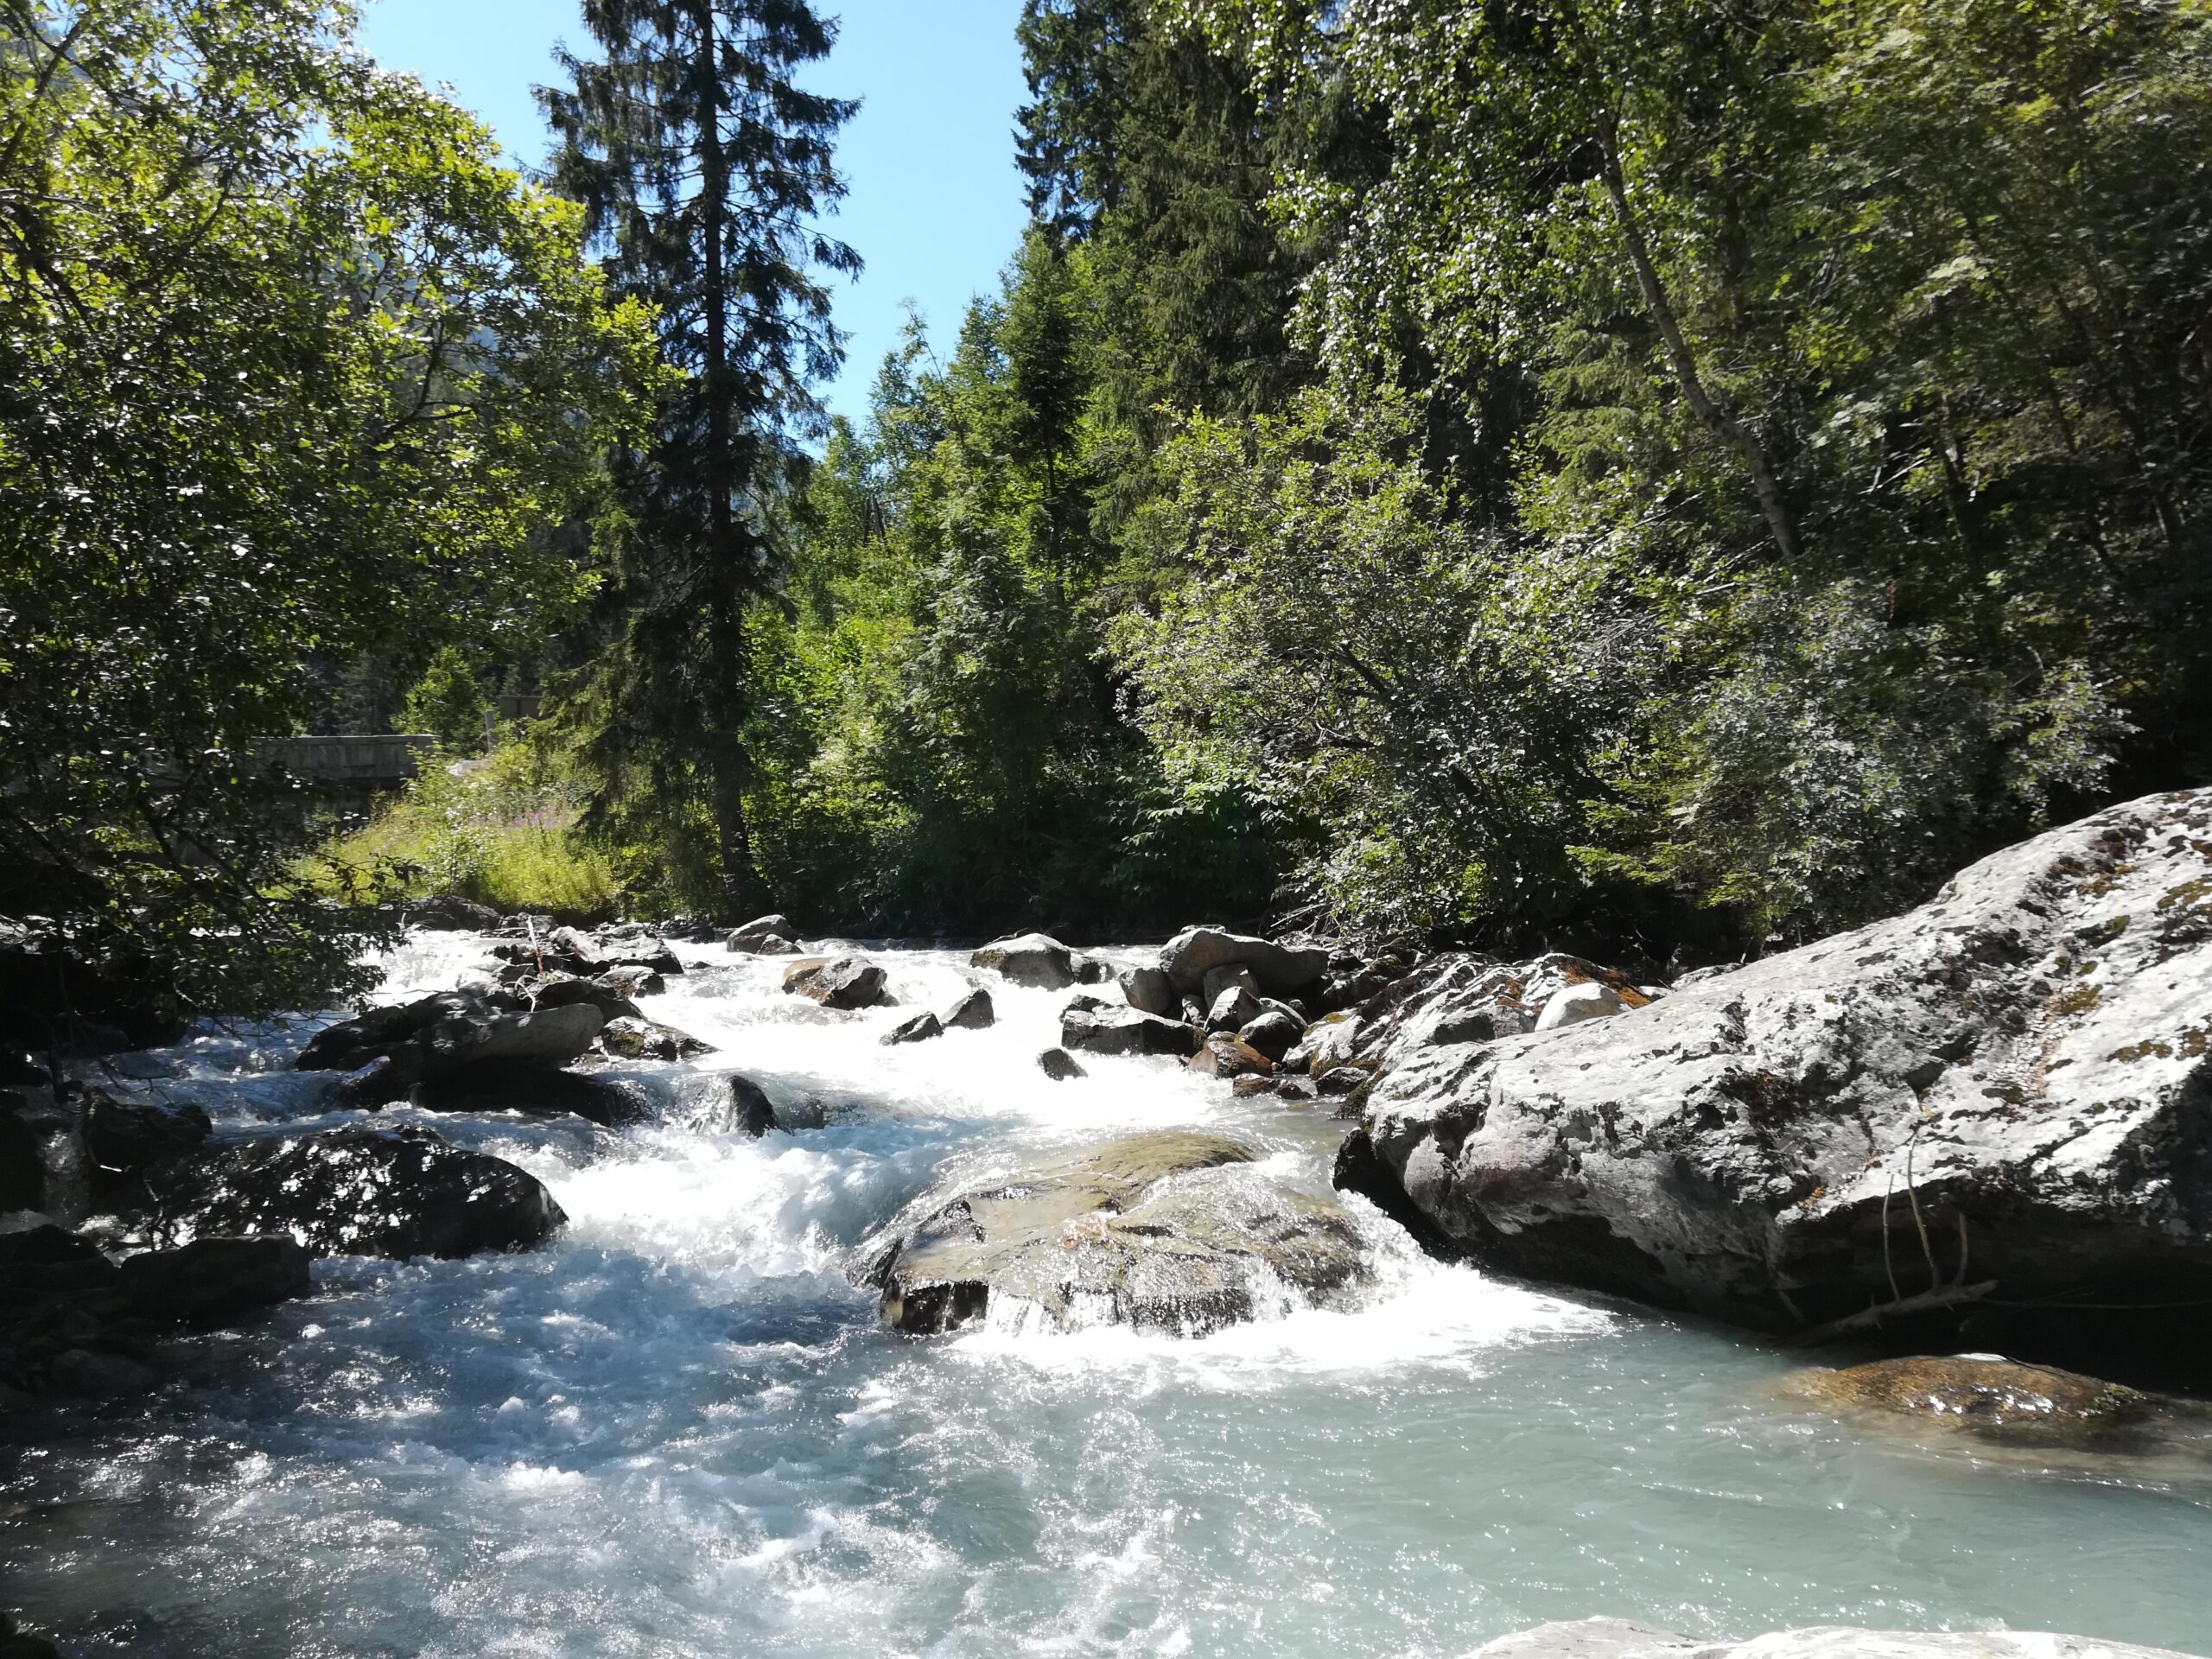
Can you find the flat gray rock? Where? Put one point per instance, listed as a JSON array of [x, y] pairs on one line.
[[1168, 1231], [2004, 1088]]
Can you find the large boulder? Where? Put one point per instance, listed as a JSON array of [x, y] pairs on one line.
[[123, 1137], [215, 1278], [2005, 1403], [439, 1034], [1109, 1030], [973, 1012], [846, 983], [533, 1090], [1170, 1231], [1621, 1639], [1036, 960], [390, 1190], [1149, 990], [1281, 970], [2005, 1093], [635, 1038], [760, 932], [44, 1165]]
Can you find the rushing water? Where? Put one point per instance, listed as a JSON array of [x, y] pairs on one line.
[[678, 1431]]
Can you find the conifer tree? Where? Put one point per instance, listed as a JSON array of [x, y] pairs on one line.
[[704, 169]]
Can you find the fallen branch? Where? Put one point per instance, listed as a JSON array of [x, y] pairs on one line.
[[1927, 1301]]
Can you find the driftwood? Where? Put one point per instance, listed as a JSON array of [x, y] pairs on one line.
[[1927, 1301]]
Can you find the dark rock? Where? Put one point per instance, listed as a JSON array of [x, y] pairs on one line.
[[1032, 959], [741, 1107], [2003, 1092], [1107, 1233], [215, 1278], [98, 1374], [44, 1165], [1060, 1066], [1339, 1080], [535, 1090], [610, 995], [21, 1644], [1275, 1033], [1253, 1085], [1125, 1031], [1234, 1008], [1226, 1055], [918, 1029], [391, 1189], [654, 963], [1192, 954], [439, 1034], [1148, 990], [973, 1012], [1088, 970], [847, 983], [125, 1137], [449, 915], [634, 1038]]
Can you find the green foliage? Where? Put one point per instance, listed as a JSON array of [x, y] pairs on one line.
[[294, 370], [447, 701], [499, 830]]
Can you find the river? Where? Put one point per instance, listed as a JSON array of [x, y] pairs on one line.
[[679, 1431]]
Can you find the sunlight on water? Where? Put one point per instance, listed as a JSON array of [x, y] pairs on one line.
[[678, 1431]]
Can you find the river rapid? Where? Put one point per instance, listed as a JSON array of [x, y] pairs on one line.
[[677, 1430]]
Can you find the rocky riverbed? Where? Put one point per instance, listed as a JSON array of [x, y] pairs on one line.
[[614, 1293]]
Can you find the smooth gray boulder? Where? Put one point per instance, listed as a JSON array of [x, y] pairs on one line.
[[2002, 1094], [1036, 960], [759, 932], [1281, 970], [1621, 1639], [1148, 990], [847, 983], [439, 1034], [1234, 1007], [1275, 1033], [1171, 1231], [974, 1012]]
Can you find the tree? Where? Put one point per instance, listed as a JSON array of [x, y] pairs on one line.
[[293, 369], [702, 168]]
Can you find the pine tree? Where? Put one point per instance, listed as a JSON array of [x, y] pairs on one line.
[[703, 170]]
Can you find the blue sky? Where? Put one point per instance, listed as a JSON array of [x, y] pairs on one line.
[[936, 204]]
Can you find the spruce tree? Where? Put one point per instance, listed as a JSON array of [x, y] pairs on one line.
[[704, 169]]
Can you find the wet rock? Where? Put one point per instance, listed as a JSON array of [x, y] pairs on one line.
[[919, 1029], [99, 1374], [44, 1165], [21, 1644], [534, 1090], [973, 1012], [1999, 1400], [449, 915], [439, 1034], [1225, 1054], [1219, 981], [1281, 970], [1576, 1003], [578, 947], [1090, 970], [125, 1137], [759, 931], [1170, 1232], [1340, 1080], [1060, 1066], [659, 963], [1036, 960], [1236, 1007], [1109, 1030], [1149, 990], [2003, 1092], [639, 1038], [1275, 1033], [215, 1278], [846, 983], [1620, 1638], [1328, 1043], [609, 995], [741, 1107], [390, 1190]]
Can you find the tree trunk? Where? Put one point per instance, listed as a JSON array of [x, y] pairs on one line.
[[1716, 416], [723, 584]]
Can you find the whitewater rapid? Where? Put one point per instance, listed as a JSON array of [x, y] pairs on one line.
[[678, 1430]]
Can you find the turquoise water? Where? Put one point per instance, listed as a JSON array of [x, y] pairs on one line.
[[678, 1431]]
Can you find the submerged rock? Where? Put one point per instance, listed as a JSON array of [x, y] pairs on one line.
[[390, 1190], [2003, 1092], [214, 1278], [1060, 1066], [1999, 1400], [1621, 1639], [1168, 1232], [741, 1106], [1036, 960], [845, 983]]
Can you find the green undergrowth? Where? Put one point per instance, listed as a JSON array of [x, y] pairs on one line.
[[496, 828]]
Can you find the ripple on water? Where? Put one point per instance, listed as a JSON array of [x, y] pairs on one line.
[[679, 1431]]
